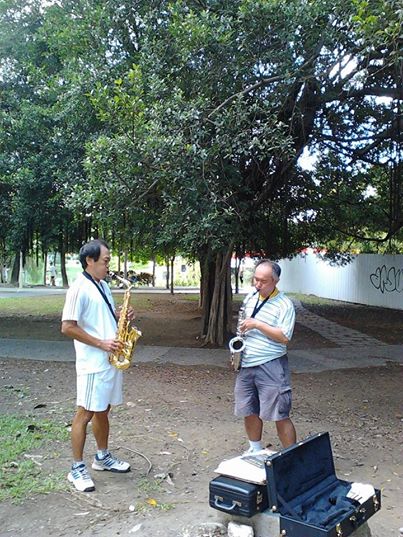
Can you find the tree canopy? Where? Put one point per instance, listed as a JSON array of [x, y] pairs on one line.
[[181, 126]]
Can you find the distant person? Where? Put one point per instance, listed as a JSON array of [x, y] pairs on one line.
[[262, 388], [5, 274], [52, 271], [89, 318]]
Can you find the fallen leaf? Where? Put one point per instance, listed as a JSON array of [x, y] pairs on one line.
[[135, 528]]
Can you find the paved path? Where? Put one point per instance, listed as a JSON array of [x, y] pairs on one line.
[[301, 361], [343, 336], [355, 349]]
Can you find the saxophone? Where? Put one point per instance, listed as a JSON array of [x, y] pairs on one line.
[[126, 334], [237, 343]]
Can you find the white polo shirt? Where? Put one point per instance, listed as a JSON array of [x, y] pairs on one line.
[[85, 304]]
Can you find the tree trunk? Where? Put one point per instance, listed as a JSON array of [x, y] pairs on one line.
[[153, 280], [45, 266], [21, 272], [168, 272], [62, 250], [217, 299], [238, 261], [207, 269], [172, 274], [125, 263], [15, 273]]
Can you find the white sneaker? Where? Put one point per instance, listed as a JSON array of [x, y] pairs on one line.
[[81, 479], [251, 451], [111, 464]]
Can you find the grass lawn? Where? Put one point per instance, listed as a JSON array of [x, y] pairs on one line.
[[53, 305], [21, 469]]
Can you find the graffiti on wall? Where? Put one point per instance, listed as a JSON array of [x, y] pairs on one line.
[[387, 280]]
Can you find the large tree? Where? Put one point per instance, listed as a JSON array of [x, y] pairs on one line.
[[205, 109], [47, 71], [222, 102]]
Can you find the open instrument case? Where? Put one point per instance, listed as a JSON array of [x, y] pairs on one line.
[[312, 502]]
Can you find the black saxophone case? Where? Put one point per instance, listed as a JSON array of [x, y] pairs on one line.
[[311, 500], [237, 497]]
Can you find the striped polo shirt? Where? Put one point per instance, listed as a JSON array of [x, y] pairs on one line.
[[278, 312]]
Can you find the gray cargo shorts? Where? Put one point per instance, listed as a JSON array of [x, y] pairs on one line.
[[264, 390]]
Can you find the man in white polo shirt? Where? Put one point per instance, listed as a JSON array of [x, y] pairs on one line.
[[89, 318], [263, 388]]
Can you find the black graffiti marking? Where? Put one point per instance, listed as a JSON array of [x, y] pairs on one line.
[[387, 280]]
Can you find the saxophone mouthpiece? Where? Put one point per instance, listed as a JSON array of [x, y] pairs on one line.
[[123, 280]]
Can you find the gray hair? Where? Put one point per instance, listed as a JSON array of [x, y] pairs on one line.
[[275, 268]]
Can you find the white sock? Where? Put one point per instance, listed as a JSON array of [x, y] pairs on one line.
[[76, 463], [102, 453], [255, 445]]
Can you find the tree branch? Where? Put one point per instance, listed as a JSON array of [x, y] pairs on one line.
[[359, 237], [266, 81], [259, 84], [393, 93]]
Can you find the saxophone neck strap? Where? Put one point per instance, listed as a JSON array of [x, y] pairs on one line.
[[260, 303], [100, 289]]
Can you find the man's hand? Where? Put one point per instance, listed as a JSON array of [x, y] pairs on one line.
[[269, 331], [248, 324], [71, 329], [110, 345], [130, 313]]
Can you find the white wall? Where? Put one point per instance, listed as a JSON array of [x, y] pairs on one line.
[[375, 280]]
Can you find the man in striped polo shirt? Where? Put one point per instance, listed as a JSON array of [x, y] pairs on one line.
[[263, 388]]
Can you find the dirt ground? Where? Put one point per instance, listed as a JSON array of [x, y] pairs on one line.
[[177, 424]]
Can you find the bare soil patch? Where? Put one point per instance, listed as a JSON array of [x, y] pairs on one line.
[[181, 420], [174, 321]]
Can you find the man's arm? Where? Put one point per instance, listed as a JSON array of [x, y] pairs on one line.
[[72, 330], [276, 334]]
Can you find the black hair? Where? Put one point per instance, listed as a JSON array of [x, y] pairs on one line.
[[275, 267], [91, 249]]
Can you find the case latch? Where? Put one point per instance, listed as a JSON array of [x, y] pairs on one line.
[[353, 520], [376, 502], [339, 531]]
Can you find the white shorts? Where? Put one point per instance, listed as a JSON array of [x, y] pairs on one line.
[[96, 391]]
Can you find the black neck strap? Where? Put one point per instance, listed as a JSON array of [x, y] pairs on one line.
[[99, 287], [258, 306]]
